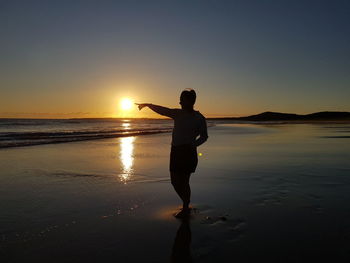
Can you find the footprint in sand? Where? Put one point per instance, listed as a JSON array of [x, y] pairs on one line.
[[232, 229], [237, 229], [217, 229]]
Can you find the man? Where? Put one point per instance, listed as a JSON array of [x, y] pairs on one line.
[[188, 125]]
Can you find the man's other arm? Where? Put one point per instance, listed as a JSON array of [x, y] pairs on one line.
[[203, 133]]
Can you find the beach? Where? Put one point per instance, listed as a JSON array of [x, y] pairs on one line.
[[274, 192]]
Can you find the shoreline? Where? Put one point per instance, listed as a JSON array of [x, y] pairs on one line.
[[90, 138]]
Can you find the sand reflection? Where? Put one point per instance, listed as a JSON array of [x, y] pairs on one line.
[[126, 158]]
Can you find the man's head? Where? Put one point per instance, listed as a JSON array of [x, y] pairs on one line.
[[187, 99]]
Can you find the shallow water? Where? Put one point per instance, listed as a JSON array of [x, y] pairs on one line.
[[29, 132], [274, 192]]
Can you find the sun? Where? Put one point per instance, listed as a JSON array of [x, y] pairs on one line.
[[126, 104]]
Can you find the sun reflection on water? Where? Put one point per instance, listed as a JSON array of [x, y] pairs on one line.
[[126, 158], [126, 125]]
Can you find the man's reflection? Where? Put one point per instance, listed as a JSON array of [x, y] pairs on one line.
[[182, 244]]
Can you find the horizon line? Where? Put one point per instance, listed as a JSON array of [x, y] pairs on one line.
[[155, 118]]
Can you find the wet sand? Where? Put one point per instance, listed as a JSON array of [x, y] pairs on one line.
[[277, 193]]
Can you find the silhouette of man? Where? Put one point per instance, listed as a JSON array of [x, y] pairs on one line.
[[188, 125]]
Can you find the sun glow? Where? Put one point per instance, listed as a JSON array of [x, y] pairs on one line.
[[126, 104]]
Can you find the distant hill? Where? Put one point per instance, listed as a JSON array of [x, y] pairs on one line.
[[277, 116]]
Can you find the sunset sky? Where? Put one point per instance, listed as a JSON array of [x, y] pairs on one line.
[[63, 59]]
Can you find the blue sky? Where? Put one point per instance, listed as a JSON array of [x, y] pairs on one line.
[[78, 58]]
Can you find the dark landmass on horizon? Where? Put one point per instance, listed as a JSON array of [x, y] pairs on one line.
[[278, 116]]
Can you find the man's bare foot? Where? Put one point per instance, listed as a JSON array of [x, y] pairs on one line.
[[184, 213]]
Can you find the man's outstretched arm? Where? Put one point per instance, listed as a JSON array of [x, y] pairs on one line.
[[158, 109]]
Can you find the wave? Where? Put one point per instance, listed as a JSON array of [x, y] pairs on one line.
[[20, 139]]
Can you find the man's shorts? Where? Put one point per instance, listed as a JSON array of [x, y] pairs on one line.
[[183, 158]]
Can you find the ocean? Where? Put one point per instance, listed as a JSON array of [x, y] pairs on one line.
[[28, 132]]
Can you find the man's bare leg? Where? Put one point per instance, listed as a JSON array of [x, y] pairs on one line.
[[186, 191], [182, 187]]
